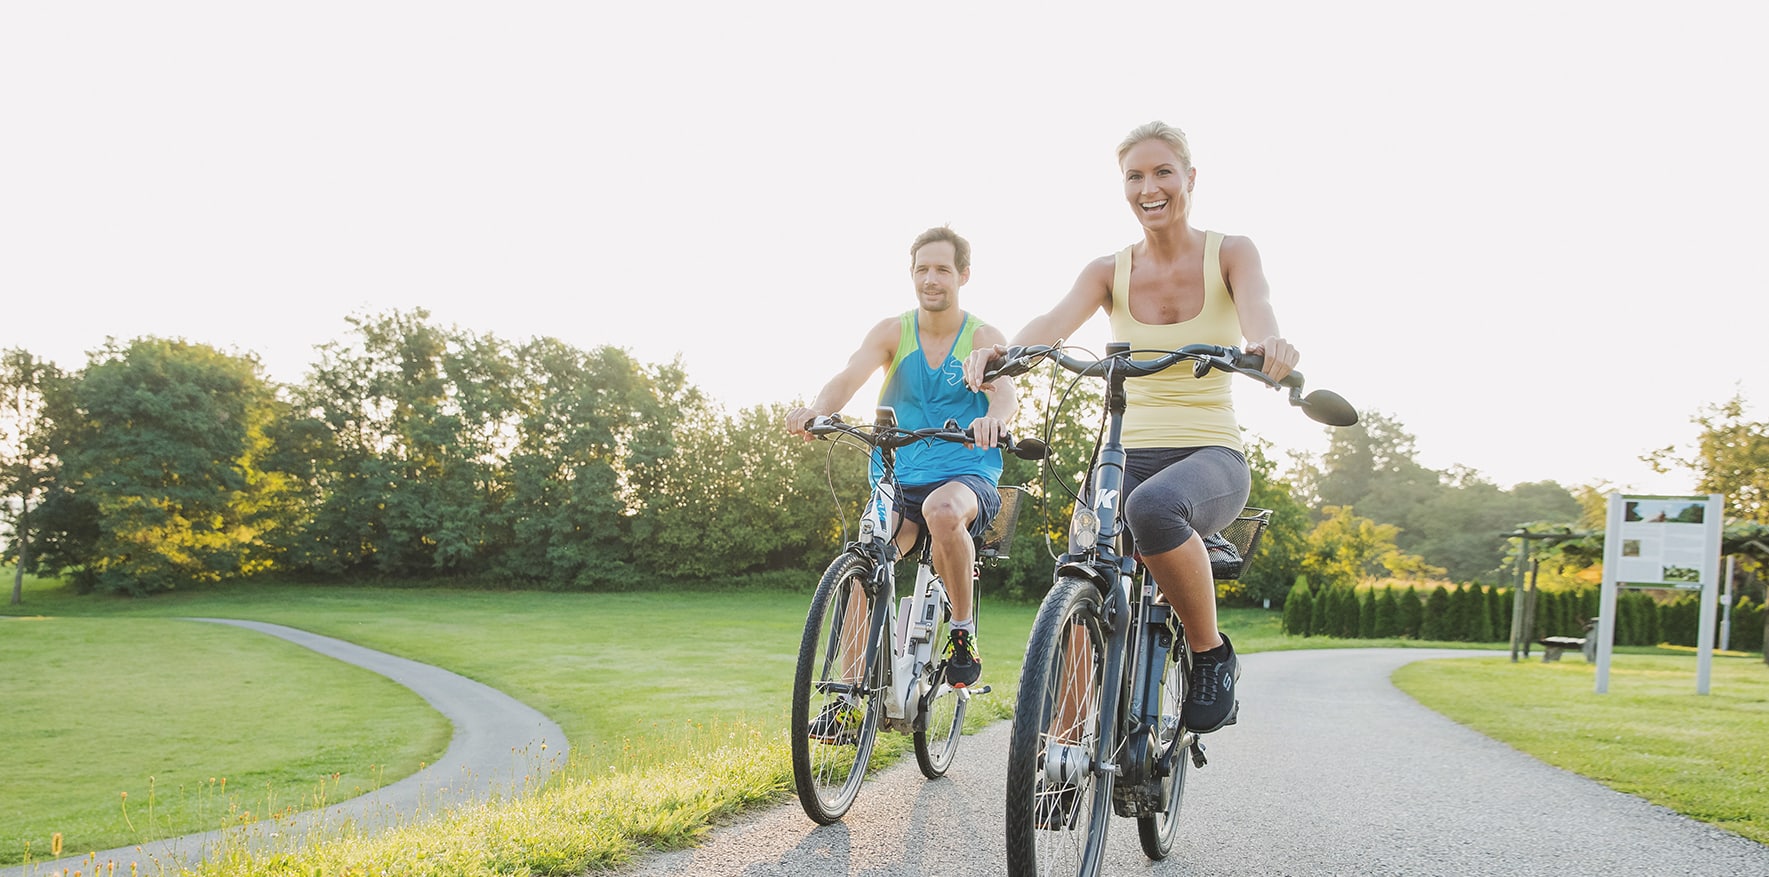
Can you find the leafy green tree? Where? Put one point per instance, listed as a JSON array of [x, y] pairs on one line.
[[593, 468], [1347, 548], [742, 496], [1278, 559], [167, 455], [1730, 457], [33, 396]]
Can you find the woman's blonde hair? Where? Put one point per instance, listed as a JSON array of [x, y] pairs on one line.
[[1163, 132]]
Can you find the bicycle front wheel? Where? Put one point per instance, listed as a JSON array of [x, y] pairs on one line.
[[834, 720], [1158, 831], [936, 743], [1058, 804]]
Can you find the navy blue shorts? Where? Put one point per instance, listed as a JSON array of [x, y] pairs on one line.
[[911, 496]]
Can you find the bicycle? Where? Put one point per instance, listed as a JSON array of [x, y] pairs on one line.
[[1097, 721], [867, 659]]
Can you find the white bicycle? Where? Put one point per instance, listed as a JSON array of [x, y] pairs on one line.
[[869, 659]]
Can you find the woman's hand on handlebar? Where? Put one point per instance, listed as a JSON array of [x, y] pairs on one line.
[[1280, 357], [977, 364]]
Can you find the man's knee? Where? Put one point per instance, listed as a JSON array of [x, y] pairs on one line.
[[952, 507]]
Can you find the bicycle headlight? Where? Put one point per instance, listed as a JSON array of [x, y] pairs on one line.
[[1083, 531]]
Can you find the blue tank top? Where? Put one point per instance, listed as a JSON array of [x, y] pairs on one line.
[[925, 396]]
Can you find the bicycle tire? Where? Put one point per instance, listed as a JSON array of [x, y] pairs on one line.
[[1158, 831], [942, 718], [827, 773], [1052, 828]]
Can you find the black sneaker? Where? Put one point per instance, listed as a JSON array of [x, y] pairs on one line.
[[1210, 692], [838, 724], [964, 664]]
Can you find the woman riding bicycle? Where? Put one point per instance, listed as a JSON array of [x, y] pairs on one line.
[[1179, 285]]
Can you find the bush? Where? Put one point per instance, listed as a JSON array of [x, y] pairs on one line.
[[1298, 608], [1412, 613], [1434, 625]]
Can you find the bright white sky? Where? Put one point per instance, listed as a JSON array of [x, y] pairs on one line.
[[1529, 231]]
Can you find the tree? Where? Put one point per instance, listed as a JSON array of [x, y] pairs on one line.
[[1366, 614], [33, 396], [1346, 548], [1278, 560], [167, 454], [1730, 457]]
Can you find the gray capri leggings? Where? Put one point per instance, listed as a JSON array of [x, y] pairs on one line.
[[1171, 493]]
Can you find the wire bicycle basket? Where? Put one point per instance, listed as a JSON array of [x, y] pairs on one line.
[[998, 537], [1242, 534]]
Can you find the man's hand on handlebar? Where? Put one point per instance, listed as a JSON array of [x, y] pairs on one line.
[[797, 420], [987, 431]]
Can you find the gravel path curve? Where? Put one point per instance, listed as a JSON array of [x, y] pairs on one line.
[[498, 745], [1331, 771]]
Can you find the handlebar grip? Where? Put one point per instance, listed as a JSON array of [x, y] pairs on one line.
[[1256, 362]]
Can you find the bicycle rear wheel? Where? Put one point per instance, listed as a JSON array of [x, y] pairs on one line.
[[1058, 806], [834, 719], [936, 744], [1158, 831]]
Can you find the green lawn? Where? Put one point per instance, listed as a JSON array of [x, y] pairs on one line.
[[1651, 735], [674, 703], [633, 679], [128, 728]]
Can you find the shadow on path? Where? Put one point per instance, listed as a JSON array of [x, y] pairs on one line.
[[499, 746]]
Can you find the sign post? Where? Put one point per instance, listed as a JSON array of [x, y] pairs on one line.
[[1661, 542]]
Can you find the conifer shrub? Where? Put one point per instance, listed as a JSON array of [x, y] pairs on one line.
[[1412, 613], [1388, 624], [1366, 614], [1298, 608], [1481, 626], [1345, 612], [1434, 625], [1320, 618]]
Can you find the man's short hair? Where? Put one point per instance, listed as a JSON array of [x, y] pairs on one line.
[[960, 246]]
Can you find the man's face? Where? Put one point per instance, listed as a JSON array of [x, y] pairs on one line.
[[936, 276]]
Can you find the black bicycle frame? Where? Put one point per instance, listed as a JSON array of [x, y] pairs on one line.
[[1116, 574]]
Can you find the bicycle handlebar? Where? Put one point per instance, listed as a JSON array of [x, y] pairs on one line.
[[885, 436], [1324, 406]]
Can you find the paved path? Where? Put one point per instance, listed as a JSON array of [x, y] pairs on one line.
[[1332, 771], [497, 743]]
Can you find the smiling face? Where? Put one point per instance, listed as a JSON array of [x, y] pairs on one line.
[[1157, 183], [936, 275]]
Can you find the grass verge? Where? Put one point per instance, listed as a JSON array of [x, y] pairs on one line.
[[1651, 736]]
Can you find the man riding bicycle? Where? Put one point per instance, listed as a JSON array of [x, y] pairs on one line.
[[946, 488]]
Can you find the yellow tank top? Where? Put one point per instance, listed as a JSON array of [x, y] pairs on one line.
[[1174, 409]]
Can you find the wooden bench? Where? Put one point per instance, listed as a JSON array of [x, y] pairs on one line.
[[1552, 646]]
